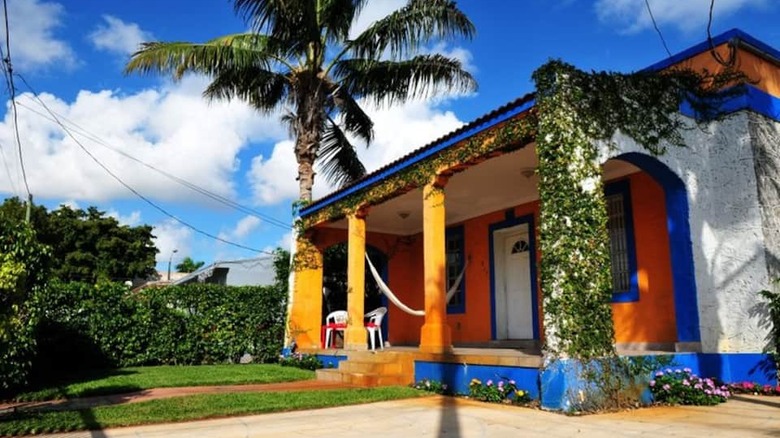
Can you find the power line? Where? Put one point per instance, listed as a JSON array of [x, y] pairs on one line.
[[130, 188], [205, 192], [655, 25], [8, 171], [12, 90], [732, 50]]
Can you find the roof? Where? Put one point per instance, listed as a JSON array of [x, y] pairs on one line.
[[513, 108], [242, 272]]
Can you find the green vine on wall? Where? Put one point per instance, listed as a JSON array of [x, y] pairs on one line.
[[575, 109]]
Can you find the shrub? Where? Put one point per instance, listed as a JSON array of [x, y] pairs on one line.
[[432, 386], [682, 387], [303, 361], [502, 391]]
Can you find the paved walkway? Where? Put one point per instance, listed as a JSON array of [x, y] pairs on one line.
[[158, 393], [743, 416]]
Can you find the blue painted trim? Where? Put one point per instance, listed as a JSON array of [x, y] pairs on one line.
[[623, 187], [680, 247], [507, 223], [421, 155], [457, 376], [459, 231], [751, 98]]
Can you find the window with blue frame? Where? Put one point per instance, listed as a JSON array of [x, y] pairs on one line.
[[455, 250], [622, 249]]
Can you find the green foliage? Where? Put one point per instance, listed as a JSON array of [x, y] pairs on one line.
[[190, 408], [105, 325], [87, 245], [501, 391], [773, 308], [682, 387], [189, 265], [433, 386], [23, 271], [302, 361], [615, 382]]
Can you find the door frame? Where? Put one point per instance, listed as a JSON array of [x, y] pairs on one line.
[[509, 222]]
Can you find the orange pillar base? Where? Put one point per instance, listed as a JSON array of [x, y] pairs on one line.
[[435, 338], [355, 338]]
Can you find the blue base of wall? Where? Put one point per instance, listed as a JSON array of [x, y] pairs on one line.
[[559, 381], [457, 375], [329, 361]]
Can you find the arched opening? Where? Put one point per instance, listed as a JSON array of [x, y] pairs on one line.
[[680, 252], [334, 281]]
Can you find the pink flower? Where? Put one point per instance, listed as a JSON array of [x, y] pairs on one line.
[[489, 383], [511, 382], [659, 374], [652, 383], [666, 387], [686, 383]]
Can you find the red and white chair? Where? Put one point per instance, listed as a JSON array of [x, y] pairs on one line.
[[374, 325], [334, 322]]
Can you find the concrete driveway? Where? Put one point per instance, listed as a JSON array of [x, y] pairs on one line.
[[743, 416]]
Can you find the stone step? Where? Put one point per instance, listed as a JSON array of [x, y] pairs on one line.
[[359, 366], [329, 375], [371, 380], [371, 356]]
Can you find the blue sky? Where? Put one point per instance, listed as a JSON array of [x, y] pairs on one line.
[[72, 53]]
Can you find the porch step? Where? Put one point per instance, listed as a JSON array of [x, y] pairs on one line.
[[366, 368]]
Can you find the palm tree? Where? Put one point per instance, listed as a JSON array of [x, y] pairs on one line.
[[299, 56]]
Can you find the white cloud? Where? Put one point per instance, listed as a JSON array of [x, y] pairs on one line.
[[170, 236], [118, 37], [33, 41], [131, 220], [243, 228], [631, 16], [398, 131], [373, 12], [172, 128]]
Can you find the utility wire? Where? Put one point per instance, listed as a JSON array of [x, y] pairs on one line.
[[732, 50], [12, 90], [2, 151], [205, 192], [655, 25], [192, 186], [130, 188]]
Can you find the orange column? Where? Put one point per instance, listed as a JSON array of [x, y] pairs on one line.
[[305, 317], [435, 335], [355, 335]]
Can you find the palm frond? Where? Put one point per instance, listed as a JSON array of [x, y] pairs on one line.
[[262, 89], [404, 31], [389, 82], [338, 157], [294, 21], [232, 51], [337, 16], [355, 120]]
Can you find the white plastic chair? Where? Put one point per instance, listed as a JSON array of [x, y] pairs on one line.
[[335, 321], [374, 325]]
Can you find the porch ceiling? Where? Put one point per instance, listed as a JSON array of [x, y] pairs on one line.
[[495, 184]]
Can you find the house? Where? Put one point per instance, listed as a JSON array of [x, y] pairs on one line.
[[257, 271], [694, 236]]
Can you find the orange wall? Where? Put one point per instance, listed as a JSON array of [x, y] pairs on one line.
[[652, 318], [765, 74]]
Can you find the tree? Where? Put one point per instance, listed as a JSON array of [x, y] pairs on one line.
[[188, 265], [300, 55], [87, 245]]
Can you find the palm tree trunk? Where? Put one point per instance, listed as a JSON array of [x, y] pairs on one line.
[[308, 127]]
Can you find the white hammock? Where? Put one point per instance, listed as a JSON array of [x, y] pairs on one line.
[[394, 299]]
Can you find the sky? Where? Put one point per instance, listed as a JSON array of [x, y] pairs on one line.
[[72, 54]]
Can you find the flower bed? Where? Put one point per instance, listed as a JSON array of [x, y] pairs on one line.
[[754, 388], [682, 387], [502, 391], [299, 360]]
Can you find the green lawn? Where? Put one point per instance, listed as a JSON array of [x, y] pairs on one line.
[[135, 379], [193, 408]]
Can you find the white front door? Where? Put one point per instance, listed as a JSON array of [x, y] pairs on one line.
[[514, 301]]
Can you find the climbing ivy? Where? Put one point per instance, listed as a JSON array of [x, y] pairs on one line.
[[575, 110]]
